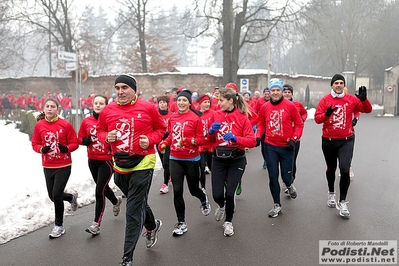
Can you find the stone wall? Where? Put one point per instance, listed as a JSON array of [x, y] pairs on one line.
[[156, 84]]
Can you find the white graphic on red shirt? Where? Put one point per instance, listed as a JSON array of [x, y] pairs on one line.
[[178, 137], [276, 122], [124, 134], [52, 139], [225, 127], [96, 146], [338, 117]]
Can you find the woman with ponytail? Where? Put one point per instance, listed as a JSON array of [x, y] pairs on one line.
[[231, 132]]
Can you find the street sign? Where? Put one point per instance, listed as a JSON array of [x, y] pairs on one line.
[[244, 85], [71, 66], [67, 56]]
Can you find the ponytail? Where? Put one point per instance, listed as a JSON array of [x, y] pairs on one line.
[[238, 100]]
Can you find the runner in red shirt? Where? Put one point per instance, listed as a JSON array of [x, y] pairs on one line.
[[231, 132], [55, 139], [280, 122], [335, 112], [184, 139], [100, 164]]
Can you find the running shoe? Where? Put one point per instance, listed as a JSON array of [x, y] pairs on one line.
[[116, 209], [331, 202], [74, 201], [207, 170], [228, 229], [239, 189], [152, 236], [126, 262], [93, 229], [219, 213], [292, 191], [275, 211], [164, 189], [57, 231], [180, 229], [351, 173], [342, 206]]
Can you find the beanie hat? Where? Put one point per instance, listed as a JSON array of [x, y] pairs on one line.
[[288, 87], [266, 89], [231, 85], [276, 83], [185, 93], [128, 80], [337, 77], [256, 92]]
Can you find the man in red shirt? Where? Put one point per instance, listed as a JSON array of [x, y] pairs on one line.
[[132, 127], [335, 112], [282, 125]]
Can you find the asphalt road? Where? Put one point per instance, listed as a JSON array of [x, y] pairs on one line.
[[290, 239]]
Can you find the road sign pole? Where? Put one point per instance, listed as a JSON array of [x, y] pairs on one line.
[[77, 101]]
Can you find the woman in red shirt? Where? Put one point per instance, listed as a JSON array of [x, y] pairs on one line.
[[231, 132], [100, 164], [184, 139], [55, 139]]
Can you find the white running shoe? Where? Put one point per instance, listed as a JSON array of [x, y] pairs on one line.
[[93, 229], [228, 229], [180, 229], [219, 213], [74, 201], [57, 231], [116, 209], [331, 202], [164, 189], [351, 173], [275, 211], [207, 170], [342, 206], [206, 207]]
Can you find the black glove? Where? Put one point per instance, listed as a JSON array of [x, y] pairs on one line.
[[166, 135], [45, 149], [330, 110], [63, 148], [257, 142], [86, 141], [354, 121], [362, 96], [290, 145]]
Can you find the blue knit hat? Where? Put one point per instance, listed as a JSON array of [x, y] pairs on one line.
[[276, 83]]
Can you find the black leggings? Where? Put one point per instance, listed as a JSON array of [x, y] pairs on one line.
[[102, 173], [206, 160], [226, 175], [297, 146], [56, 180], [165, 164], [178, 170], [343, 151]]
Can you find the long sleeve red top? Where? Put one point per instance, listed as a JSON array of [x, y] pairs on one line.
[[280, 122], [51, 133], [236, 123], [339, 123], [183, 129], [96, 150]]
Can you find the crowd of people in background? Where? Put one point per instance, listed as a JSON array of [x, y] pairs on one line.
[[195, 134]]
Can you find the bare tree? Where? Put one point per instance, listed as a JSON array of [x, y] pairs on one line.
[[239, 23], [152, 46], [338, 35]]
